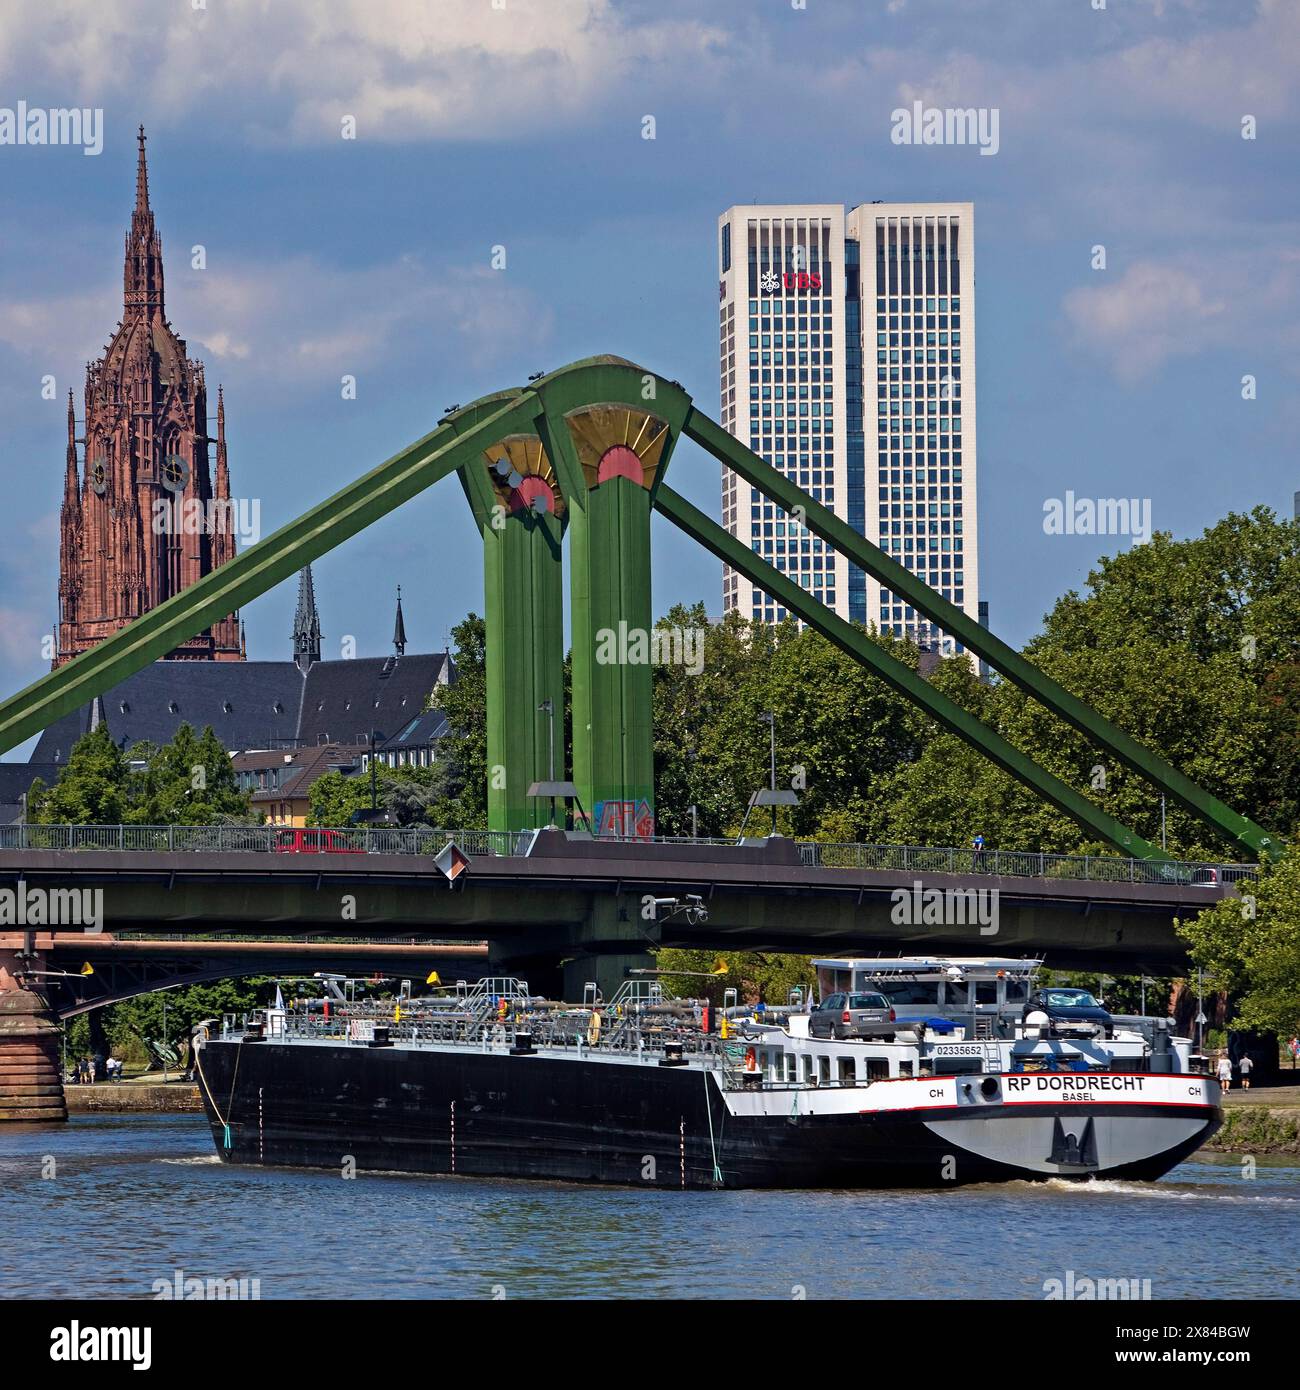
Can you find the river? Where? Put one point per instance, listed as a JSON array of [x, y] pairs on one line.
[[106, 1206]]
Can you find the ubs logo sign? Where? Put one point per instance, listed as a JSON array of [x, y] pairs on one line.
[[789, 281]]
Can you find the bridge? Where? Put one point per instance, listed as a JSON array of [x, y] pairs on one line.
[[547, 898], [579, 457]]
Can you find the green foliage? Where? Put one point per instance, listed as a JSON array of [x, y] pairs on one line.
[[1251, 945], [757, 975], [92, 787], [410, 795], [1192, 647], [124, 1023], [462, 802], [1257, 1129], [190, 781], [839, 730]]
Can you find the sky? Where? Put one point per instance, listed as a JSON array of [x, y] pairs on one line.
[[519, 124]]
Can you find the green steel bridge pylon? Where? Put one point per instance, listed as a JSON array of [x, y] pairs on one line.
[[611, 583]]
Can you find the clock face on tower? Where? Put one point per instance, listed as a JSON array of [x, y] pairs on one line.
[[175, 473], [99, 476]]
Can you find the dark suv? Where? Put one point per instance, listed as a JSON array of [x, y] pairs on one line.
[[1066, 1006], [852, 1016]]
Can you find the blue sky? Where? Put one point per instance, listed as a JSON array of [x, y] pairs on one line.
[[519, 123]]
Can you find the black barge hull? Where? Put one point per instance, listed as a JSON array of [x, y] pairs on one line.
[[492, 1114]]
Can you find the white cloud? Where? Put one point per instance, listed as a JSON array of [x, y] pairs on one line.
[[404, 69], [1160, 310], [300, 318]]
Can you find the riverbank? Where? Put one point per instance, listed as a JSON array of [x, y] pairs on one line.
[[1259, 1122], [132, 1097]]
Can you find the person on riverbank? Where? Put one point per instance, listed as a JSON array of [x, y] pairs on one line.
[[1225, 1072], [1245, 1066], [977, 845]]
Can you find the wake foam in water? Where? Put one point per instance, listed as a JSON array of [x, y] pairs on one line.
[[194, 1161], [1101, 1187]]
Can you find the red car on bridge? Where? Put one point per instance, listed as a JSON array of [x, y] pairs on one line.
[[301, 839]]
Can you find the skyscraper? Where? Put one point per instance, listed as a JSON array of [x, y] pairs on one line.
[[803, 291], [143, 520]]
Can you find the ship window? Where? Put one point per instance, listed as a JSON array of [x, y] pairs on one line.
[[877, 1068], [824, 1070], [791, 1067], [905, 1068], [848, 1072]]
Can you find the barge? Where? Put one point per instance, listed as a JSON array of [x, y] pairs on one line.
[[647, 1090]]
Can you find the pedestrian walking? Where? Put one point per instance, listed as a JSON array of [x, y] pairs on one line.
[[1225, 1072], [1245, 1067]]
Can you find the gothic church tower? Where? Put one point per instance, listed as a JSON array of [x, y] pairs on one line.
[[142, 520]]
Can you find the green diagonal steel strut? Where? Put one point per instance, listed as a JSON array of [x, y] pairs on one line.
[[597, 381], [900, 676], [842, 537], [259, 568]]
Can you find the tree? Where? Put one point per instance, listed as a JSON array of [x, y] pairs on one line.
[[764, 976], [409, 795], [1250, 945], [463, 800], [92, 788], [190, 781], [125, 1023]]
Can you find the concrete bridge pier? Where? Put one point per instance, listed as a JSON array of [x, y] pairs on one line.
[[31, 1080]]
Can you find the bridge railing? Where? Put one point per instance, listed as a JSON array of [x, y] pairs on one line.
[[422, 840], [259, 839], [1096, 868]]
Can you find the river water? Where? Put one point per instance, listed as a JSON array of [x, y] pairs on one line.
[[106, 1205]]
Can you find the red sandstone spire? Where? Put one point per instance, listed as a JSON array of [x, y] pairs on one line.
[[223, 542], [71, 488], [142, 278]]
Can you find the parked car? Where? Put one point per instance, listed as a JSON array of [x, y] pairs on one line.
[[301, 839], [852, 1016], [1067, 1007]]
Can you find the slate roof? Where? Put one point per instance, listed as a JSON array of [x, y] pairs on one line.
[[308, 765], [15, 780], [421, 732], [258, 704], [344, 700]]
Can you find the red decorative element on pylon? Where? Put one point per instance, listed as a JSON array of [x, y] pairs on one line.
[[620, 462]]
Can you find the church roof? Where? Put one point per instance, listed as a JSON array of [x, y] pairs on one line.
[[344, 700], [258, 704]]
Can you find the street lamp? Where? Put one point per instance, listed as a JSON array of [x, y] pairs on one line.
[[547, 707], [769, 795]]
